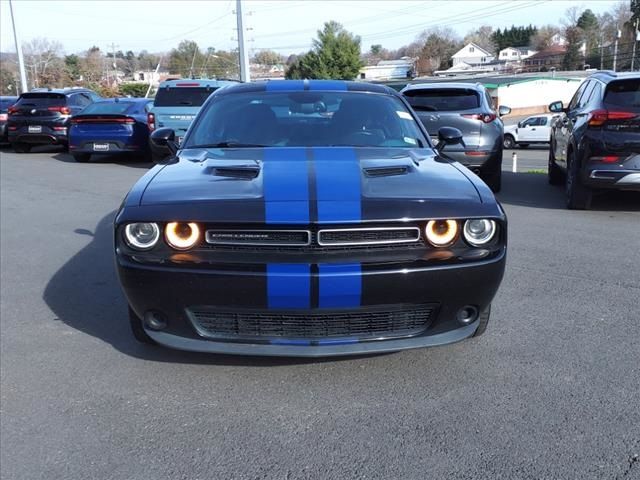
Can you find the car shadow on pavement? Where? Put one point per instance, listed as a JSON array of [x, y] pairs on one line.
[[85, 294], [533, 190], [125, 161]]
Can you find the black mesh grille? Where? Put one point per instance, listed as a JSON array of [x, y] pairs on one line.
[[363, 324], [368, 236], [258, 237]]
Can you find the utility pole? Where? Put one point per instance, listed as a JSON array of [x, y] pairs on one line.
[[615, 48], [601, 42], [146, 95], [633, 52], [245, 76], [115, 65], [23, 75]]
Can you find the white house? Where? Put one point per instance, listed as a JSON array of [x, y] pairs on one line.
[[472, 54], [389, 70], [515, 54]]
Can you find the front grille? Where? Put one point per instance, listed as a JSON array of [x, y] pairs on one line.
[[259, 237], [368, 236], [363, 324]]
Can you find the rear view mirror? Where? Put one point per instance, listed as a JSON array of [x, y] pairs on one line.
[[503, 110], [448, 136], [556, 107], [163, 142]]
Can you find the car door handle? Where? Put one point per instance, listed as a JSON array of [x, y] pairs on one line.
[[532, 129]]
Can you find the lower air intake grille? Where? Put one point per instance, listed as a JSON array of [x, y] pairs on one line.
[[368, 236], [363, 324]]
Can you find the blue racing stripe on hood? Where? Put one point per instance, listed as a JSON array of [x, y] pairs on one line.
[[340, 285], [288, 285], [286, 185], [338, 184]]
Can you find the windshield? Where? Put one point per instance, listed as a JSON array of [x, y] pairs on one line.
[[182, 96], [305, 119], [443, 100], [107, 108]]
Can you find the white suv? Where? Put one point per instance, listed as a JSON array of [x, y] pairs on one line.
[[535, 129]]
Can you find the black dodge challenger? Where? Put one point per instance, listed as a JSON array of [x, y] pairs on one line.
[[308, 218]]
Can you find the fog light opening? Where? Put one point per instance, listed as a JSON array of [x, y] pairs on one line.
[[467, 314], [154, 320]]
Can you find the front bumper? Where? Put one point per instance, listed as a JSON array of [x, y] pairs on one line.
[[174, 290]]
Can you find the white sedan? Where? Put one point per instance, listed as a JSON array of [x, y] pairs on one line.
[[535, 129]]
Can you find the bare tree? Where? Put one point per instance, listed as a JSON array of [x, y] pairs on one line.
[[44, 63], [482, 37]]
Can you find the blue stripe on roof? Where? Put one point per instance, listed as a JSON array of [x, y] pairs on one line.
[[327, 85], [338, 184], [285, 85], [288, 285], [286, 186], [340, 285]]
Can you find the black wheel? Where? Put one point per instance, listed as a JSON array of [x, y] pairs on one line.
[[137, 330], [81, 157], [508, 141], [555, 175], [523, 145], [484, 321], [21, 147], [578, 195]]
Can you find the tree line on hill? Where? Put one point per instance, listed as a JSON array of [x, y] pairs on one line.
[[335, 53]]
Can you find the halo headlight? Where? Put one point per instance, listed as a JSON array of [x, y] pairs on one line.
[[479, 232], [182, 236], [441, 233], [142, 235]]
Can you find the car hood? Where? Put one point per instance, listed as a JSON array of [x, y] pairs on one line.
[[307, 185], [510, 128]]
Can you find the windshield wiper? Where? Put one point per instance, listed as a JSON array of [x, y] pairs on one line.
[[228, 145]]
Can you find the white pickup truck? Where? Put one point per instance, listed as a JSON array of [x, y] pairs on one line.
[[535, 129]]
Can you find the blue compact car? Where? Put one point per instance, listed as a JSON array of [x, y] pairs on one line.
[[308, 218], [110, 127]]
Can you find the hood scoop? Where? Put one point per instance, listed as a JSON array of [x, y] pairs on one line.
[[389, 171], [237, 172]]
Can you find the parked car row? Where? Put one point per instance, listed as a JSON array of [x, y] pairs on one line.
[[85, 124]]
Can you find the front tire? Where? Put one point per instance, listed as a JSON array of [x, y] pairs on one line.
[[508, 142], [578, 195], [484, 321], [555, 175], [136, 328], [21, 147], [81, 157]]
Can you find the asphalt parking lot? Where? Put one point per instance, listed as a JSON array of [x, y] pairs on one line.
[[551, 391]]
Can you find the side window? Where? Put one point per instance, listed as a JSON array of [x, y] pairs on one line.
[[542, 121], [148, 106], [489, 101], [596, 94], [529, 122], [84, 99], [573, 104]]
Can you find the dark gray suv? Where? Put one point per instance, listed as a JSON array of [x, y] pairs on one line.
[[469, 108]]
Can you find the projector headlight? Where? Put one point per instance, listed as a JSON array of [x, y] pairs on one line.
[[141, 236], [479, 232]]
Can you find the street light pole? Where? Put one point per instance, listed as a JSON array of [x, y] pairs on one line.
[[23, 75], [245, 76]]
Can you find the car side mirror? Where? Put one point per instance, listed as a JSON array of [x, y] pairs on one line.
[[448, 136], [163, 142], [556, 107], [519, 124], [503, 110]]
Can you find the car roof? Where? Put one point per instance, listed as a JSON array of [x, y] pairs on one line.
[[125, 99], [63, 91], [196, 82], [609, 75], [306, 85], [440, 85]]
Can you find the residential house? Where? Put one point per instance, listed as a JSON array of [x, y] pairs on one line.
[[545, 60], [515, 54], [402, 68], [472, 54]]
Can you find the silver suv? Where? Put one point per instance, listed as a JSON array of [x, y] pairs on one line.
[[469, 108]]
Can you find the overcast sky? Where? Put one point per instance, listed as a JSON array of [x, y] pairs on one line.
[[287, 26]]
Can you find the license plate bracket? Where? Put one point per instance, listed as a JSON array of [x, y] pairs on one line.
[[100, 147]]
